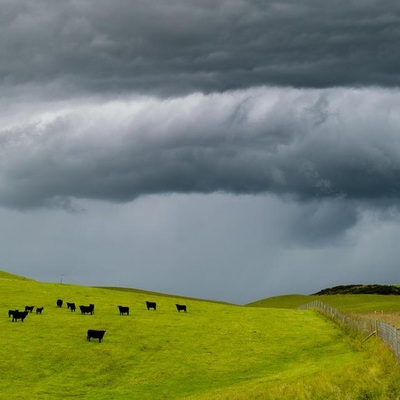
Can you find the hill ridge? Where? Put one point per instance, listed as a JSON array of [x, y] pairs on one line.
[[9, 275], [4, 275], [360, 289]]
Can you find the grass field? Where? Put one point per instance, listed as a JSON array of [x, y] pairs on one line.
[[215, 351], [349, 303], [384, 308]]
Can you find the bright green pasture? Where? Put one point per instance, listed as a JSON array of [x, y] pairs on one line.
[[343, 302], [215, 351], [362, 302]]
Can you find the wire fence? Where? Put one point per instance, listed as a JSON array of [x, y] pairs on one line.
[[389, 334]]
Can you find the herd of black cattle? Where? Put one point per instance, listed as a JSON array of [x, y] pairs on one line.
[[91, 333]]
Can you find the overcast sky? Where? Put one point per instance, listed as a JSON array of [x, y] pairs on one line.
[[227, 149]]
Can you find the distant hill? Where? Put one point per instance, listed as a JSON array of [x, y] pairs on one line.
[[360, 289], [285, 301], [149, 292], [338, 296]]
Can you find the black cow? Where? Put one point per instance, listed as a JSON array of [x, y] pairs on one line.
[[19, 315], [87, 309], [91, 333], [11, 312], [59, 303], [71, 306], [181, 307], [39, 310], [29, 308], [123, 310], [151, 304]]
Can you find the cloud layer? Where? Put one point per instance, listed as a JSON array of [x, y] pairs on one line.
[[228, 149], [183, 46], [305, 144]]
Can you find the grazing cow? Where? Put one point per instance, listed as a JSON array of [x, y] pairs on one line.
[[19, 315], [151, 304], [39, 310], [181, 307], [91, 333], [59, 303], [29, 308], [71, 306], [11, 312], [87, 309], [123, 310]]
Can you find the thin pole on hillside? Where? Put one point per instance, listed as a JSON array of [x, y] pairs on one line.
[[371, 334]]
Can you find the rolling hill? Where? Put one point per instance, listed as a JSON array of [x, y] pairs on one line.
[[214, 351]]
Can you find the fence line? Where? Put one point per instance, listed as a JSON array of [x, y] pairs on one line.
[[389, 334]]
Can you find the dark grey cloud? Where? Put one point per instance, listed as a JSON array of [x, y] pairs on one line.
[[225, 149], [303, 144], [321, 223], [184, 46]]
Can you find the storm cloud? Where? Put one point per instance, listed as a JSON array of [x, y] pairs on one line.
[[179, 47], [304, 144], [223, 149]]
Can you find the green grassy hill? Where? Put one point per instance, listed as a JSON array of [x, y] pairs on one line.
[[215, 351], [358, 303]]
